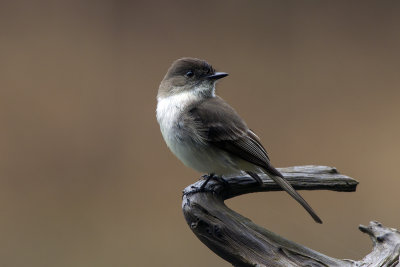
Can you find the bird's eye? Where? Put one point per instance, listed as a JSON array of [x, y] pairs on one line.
[[189, 74]]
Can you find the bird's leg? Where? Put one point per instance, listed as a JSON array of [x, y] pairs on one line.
[[221, 180], [256, 177], [208, 178], [215, 177]]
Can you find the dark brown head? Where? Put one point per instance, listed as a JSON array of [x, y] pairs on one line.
[[189, 74]]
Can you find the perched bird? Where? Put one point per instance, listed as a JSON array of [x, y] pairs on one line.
[[206, 133]]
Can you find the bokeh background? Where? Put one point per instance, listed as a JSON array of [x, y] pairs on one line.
[[85, 176]]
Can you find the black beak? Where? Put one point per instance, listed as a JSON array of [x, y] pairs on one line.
[[217, 76]]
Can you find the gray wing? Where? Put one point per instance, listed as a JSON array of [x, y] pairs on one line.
[[221, 126]]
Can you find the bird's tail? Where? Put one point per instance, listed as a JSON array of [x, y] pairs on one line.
[[291, 191]]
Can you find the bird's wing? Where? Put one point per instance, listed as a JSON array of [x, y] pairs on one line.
[[222, 127]]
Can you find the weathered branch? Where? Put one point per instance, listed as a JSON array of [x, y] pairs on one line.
[[243, 243]]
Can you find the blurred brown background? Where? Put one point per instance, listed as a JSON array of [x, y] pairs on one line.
[[85, 177]]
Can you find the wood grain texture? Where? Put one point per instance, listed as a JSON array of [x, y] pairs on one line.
[[243, 243]]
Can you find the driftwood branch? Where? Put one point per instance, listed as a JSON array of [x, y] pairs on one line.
[[243, 243]]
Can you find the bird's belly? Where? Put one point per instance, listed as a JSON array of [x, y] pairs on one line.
[[203, 158], [188, 147]]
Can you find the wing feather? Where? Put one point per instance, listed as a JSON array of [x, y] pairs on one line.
[[221, 126]]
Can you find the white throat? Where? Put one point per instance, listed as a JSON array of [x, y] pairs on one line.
[[169, 110], [185, 142], [170, 107]]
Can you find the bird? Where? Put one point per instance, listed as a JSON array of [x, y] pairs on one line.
[[206, 133]]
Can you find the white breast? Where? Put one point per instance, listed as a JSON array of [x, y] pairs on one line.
[[183, 143], [169, 110]]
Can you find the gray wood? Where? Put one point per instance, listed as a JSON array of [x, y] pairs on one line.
[[243, 243]]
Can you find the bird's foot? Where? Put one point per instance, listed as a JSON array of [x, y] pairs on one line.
[[205, 176], [202, 188], [221, 180], [208, 177]]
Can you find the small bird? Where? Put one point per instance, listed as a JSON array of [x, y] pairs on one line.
[[206, 133]]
